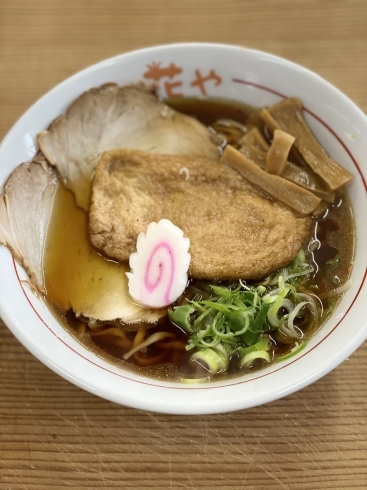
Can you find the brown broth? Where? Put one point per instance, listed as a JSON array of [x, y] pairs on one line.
[[210, 110], [73, 266]]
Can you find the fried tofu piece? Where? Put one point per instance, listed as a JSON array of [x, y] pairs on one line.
[[234, 230]]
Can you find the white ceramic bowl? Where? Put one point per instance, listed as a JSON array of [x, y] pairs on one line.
[[234, 73]]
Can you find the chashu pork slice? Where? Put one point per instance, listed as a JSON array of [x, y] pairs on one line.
[[111, 117], [25, 209], [234, 231]]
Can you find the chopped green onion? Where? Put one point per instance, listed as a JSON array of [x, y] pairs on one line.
[[258, 351], [181, 316], [263, 344], [214, 360], [296, 349], [254, 332], [289, 328], [240, 320], [249, 358], [192, 381], [236, 319], [274, 309]]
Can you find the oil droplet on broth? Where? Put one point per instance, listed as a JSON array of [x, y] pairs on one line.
[[76, 275]]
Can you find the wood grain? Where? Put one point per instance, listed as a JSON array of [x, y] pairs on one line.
[[54, 435]]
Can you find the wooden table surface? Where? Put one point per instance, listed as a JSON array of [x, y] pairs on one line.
[[53, 434]]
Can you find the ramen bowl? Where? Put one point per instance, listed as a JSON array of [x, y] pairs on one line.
[[198, 70]]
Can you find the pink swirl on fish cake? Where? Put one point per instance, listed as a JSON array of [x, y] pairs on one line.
[[151, 286]]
